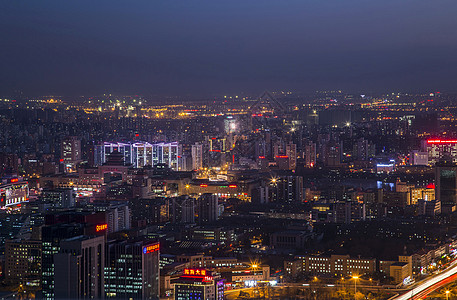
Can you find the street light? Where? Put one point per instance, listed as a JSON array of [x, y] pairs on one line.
[[355, 286], [447, 295]]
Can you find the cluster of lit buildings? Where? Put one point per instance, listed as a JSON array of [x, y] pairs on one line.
[[141, 154]]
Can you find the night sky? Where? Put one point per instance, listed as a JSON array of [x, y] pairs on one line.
[[202, 48]]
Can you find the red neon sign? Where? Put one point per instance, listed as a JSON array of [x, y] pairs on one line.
[[282, 156], [198, 273], [262, 157], [441, 141], [233, 186], [203, 185], [151, 248], [14, 180], [101, 227]]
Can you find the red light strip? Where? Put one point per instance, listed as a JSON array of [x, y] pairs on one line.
[[441, 141]]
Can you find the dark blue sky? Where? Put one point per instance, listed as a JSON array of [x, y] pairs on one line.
[[192, 47]]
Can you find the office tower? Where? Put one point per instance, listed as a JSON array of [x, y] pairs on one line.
[[182, 209], [22, 261], [291, 152], [79, 268], [132, 270], [52, 235], [363, 150], [310, 154], [287, 189], [59, 198], [446, 186], [207, 208], [118, 218], [332, 156], [71, 153], [197, 156], [285, 155], [198, 284]]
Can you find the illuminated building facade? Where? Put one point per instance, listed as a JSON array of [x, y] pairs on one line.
[[51, 238], [141, 154], [22, 261], [13, 191], [196, 284], [197, 156], [338, 265], [438, 149], [132, 270], [71, 153]]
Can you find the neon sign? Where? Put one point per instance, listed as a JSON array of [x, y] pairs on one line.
[[441, 141], [101, 227], [203, 185], [233, 186], [151, 248], [198, 273], [14, 180], [195, 272]]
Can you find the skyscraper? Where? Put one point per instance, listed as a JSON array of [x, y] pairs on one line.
[[446, 186], [197, 156], [71, 153], [132, 270], [207, 208], [79, 268], [51, 237]]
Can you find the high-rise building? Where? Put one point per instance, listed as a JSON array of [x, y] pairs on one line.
[[197, 156], [285, 155], [132, 270], [150, 211], [310, 154], [51, 237], [22, 261], [118, 218], [79, 268], [286, 189], [332, 156], [446, 187], [198, 284], [182, 209], [207, 208], [71, 153], [59, 198], [291, 152]]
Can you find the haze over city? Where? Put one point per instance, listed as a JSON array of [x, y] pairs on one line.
[[206, 48]]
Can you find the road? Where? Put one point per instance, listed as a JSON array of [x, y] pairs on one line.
[[423, 288]]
